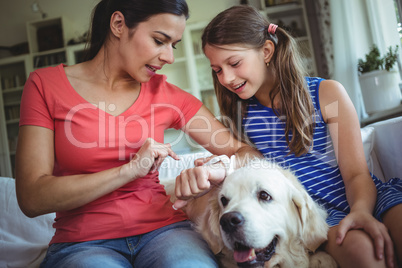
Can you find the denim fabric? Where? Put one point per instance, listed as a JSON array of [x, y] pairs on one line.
[[175, 245]]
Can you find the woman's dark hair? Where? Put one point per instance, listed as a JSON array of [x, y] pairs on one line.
[[244, 25], [134, 12]]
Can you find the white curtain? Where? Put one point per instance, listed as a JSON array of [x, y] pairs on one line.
[[344, 29]]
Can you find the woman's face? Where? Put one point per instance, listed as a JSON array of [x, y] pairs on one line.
[[240, 69], [150, 45]]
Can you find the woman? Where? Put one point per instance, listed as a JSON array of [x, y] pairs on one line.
[[91, 140]]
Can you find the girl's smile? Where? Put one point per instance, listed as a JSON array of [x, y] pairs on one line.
[[240, 87]]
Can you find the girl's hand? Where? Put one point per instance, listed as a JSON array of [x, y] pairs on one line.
[[148, 159], [197, 181], [376, 230]]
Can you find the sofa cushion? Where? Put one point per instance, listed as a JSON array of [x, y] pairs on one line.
[[388, 146], [23, 240], [368, 141], [368, 138]]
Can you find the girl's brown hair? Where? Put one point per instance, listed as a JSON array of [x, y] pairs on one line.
[[245, 25]]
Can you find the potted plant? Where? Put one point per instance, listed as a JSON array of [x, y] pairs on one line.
[[379, 80]]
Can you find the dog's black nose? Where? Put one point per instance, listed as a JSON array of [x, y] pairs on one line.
[[231, 221]]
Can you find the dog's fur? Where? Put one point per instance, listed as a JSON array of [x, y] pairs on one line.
[[255, 205]]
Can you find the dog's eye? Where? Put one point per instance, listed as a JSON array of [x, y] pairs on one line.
[[264, 196], [224, 201]]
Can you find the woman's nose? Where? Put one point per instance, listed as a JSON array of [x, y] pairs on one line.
[[167, 55]]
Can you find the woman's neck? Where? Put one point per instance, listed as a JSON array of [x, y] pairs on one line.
[[106, 70]]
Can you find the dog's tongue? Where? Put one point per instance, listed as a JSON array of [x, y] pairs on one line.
[[244, 255]]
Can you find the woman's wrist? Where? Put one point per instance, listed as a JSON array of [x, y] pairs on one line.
[[127, 172]]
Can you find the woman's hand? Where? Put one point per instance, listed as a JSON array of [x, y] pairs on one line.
[[197, 181], [203, 160], [375, 229], [148, 159]]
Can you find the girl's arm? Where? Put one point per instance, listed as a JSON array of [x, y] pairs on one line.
[[340, 115], [39, 192]]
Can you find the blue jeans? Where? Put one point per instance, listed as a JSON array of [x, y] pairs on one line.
[[175, 245]]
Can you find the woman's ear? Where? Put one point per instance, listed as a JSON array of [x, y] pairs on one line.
[[268, 50], [117, 23]]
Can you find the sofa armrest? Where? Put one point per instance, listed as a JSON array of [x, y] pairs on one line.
[[387, 146]]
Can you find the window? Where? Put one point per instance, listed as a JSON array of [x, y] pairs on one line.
[[398, 11]]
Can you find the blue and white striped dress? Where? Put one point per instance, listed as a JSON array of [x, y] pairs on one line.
[[318, 169]]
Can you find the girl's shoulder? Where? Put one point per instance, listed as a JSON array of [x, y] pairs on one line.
[[331, 90], [332, 94]]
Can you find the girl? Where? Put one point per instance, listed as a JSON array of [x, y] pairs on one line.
[[91, 138], [307, 124]]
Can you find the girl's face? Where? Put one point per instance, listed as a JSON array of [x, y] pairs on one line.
[[150, 45], [240, 69]]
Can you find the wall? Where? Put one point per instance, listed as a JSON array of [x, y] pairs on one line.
[[14, 14], [205, 10]]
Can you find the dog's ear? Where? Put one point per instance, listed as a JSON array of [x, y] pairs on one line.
[[209, 226], [314, 228]]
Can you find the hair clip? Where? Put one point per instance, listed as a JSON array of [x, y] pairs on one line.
[[272, 28]]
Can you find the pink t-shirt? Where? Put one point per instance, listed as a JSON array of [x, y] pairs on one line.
[[89, 140]]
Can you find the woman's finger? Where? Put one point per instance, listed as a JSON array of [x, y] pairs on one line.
[[171, 153], [203, 160]]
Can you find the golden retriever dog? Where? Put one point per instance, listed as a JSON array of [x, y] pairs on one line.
[[261, 216]]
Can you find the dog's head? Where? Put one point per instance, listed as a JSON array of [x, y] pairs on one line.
[[262, 210]]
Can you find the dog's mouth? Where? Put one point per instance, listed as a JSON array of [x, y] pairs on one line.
[[249, 257]]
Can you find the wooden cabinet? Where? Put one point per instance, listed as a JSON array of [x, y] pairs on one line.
[[47, 41], [292, 16], [13, 73]]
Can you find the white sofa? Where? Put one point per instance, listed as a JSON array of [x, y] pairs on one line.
[[23, 241], [382, 143]]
